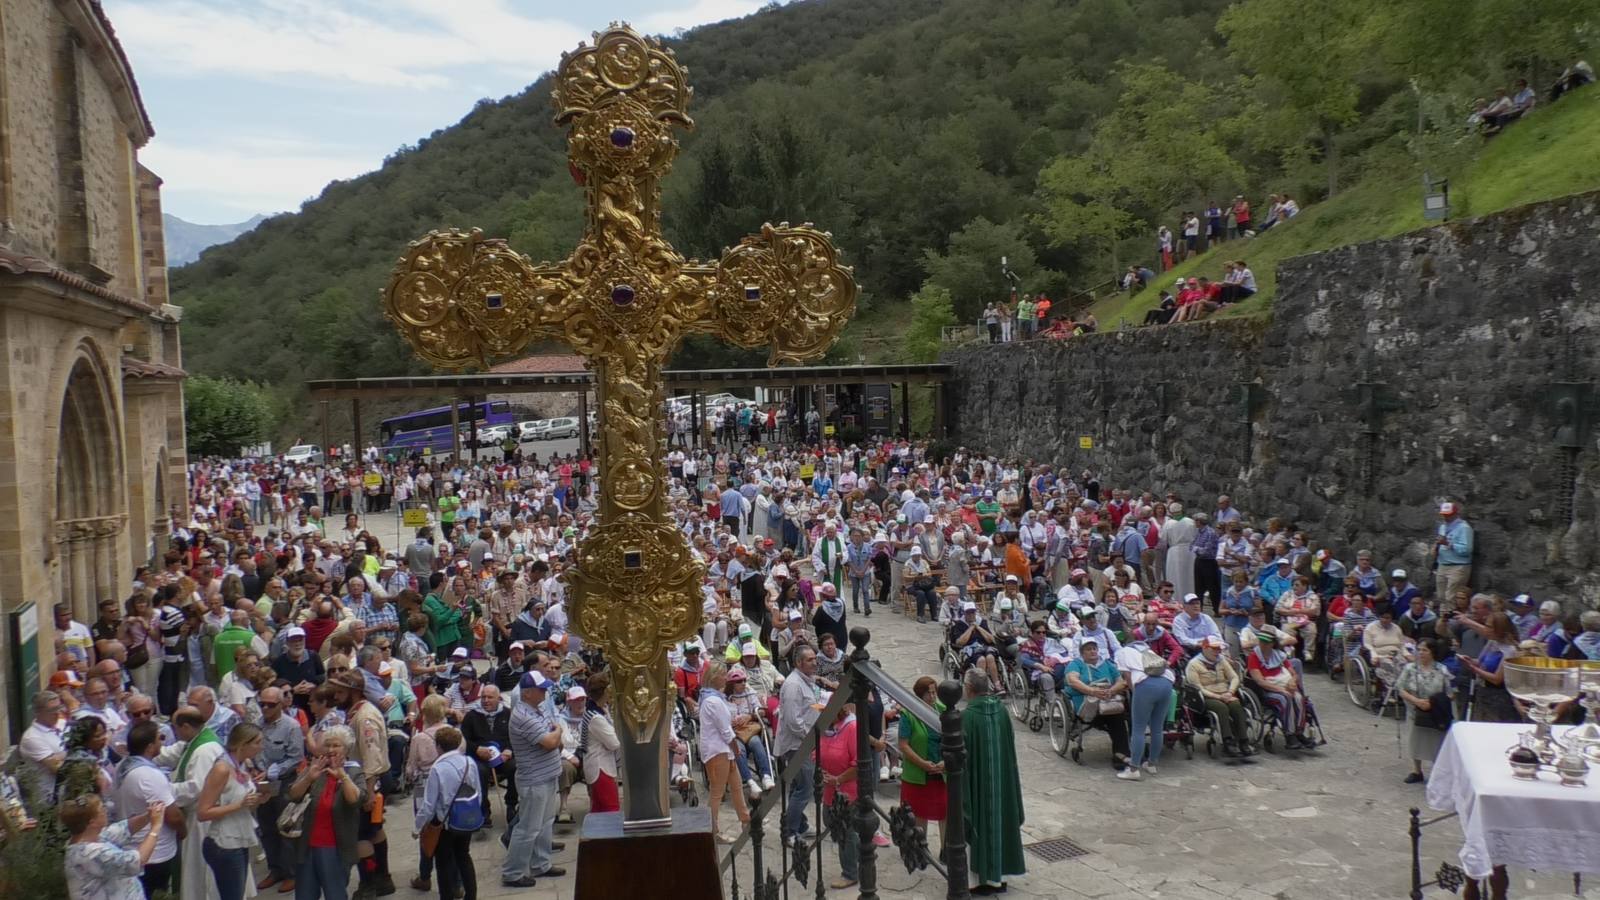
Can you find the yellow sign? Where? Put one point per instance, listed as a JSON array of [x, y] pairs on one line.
[[1085, 442], [414, 518], [827, 430], [372, 480], [807, 470]]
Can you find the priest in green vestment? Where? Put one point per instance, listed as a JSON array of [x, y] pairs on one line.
[[991, 791]]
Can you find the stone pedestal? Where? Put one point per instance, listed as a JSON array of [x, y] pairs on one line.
[[681, 861]]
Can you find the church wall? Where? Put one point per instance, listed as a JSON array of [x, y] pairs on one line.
[[1465, 330], [109, 188], [33, 31]]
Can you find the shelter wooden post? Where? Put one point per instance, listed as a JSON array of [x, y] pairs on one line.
[[474, 416], [355, 428], [455, 429], [327, 437], [939, 429], [583, 423], [905, 409]]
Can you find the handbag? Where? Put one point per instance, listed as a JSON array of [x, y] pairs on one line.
[[138, 655], [466, 809], [428, 838], [1152, 663], [291, 821]]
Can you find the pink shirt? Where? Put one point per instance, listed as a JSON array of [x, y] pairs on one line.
[[839, 755]]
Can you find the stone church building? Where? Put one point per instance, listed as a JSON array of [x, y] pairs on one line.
[[92, 453]]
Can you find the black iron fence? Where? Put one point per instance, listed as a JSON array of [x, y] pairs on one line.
[[801, 862]]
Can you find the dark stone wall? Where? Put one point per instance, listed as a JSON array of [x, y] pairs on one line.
[[1392, 375]]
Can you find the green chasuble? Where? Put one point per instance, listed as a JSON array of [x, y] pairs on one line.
[[206, 736], [991, 792]]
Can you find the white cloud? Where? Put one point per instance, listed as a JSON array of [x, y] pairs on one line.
[[361, 43], [268, 174], [700, 12]]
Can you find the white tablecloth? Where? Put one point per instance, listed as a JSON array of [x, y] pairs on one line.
[[1505, 820]]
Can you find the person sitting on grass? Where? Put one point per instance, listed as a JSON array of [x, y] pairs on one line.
[[1164, 312], [1238, 284]]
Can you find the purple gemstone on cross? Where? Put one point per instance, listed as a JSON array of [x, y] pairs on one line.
[[752, 293], [622, 137], [494, 301], [622, 294]]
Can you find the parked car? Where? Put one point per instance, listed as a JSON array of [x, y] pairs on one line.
[[304, 454], [494, 434], [526, 431], [562, 427]]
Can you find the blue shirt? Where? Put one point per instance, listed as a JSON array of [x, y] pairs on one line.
[[1236, 606], [1102, 673], [916, 511], [1189, 630], [822, 484], [1274, 586], [1458, 549], [732, 503]]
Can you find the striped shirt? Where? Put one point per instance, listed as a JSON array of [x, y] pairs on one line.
[[170, 622], [535, 765]]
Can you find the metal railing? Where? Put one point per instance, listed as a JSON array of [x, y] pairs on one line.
[[843, 820]]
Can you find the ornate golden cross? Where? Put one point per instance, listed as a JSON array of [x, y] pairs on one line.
[[623, 300]]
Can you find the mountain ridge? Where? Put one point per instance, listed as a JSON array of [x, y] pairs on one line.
[[186, 240]]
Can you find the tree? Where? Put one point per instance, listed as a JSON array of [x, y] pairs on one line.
[[1317, 51], [222, 415], [969, 271], [932, 310]]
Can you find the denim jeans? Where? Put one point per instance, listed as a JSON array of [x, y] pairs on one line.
[[231, 868], [861, 593], [754, 749], [528, 852], [850, 853], [794, 820], [1152, 699], [321, 876]]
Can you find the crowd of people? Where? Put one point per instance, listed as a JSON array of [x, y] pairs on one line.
[[1490, 117], [282, 682]]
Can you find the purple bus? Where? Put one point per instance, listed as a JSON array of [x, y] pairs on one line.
[[430, 428]]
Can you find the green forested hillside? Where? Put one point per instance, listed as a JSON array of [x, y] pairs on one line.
[[930, 136]]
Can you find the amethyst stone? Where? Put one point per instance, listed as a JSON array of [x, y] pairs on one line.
[[752, 293], [622, 137], [494, 301], [622, 294]]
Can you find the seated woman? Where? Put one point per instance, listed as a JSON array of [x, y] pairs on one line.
[[1279, 678], [1345, 635], [1385, 643], [976, 644], [1297, 614], [1092, 677], [755, 765], [1044, 657], [1218, 682], [1010, 622]]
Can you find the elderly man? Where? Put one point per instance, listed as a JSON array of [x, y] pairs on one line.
[[536, 738], [828, 558], [1453, 545], [799, 703], [992, 791], [219, 719], [301, 668], [486, 731], [1191, 626], [283, 750], [41, 750], [237, 689]]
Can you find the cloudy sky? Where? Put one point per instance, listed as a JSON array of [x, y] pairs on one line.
[[260, 103]]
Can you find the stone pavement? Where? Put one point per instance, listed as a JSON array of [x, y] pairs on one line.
[[1325, 824]]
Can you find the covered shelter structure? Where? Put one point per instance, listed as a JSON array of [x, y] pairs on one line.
[[806, 384]]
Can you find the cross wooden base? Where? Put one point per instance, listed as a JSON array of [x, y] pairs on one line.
[[681, 861]]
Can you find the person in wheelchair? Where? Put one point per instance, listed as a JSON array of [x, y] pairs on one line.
[[1385, 644], [1010, 622], [749, 729], [1012, 591], [1159, 639], [1280, 679], [1213, 675], [976, 644], [1346, 633], [1044, 657], [1297, 612], [1191, 626], [1092, 632], [950, 609], [1076, 592], [1062, 622], [1098, 693]]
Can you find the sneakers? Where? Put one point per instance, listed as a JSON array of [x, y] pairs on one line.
[[880, 840], [1149, 769], [1415, 778], [422, 884], [894, 771], [1129, 774], [767, 783], [883, 776], [753, 788]]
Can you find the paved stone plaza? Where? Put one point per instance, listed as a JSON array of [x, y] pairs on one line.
[[1327, 824]]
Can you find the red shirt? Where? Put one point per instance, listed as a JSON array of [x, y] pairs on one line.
[[322, 821], [317, 631], [1241, 212], [839, 754]]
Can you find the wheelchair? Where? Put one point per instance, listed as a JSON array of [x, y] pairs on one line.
[[1265, 721], [1024, 697], [687, 728], [1066, 730], [1371, 686], [1204, 722]]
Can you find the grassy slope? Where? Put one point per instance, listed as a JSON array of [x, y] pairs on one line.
[[1555, 152]]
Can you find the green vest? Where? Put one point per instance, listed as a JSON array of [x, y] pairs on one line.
[[226, 644], [206, 736]]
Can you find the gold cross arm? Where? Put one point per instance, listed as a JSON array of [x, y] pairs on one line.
[[624, 299]]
